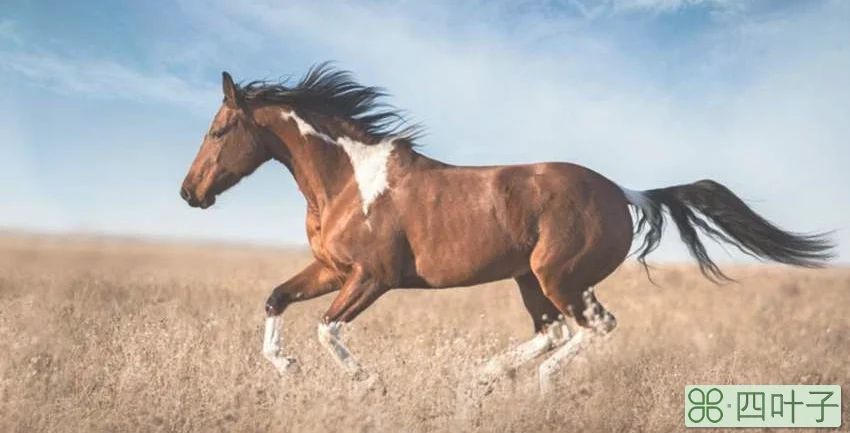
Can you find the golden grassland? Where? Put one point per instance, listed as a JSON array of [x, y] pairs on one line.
[[107, 335]]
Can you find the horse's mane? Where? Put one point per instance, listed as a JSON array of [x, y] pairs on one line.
[[332, 92]]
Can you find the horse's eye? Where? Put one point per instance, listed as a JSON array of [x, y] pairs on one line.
[[218, 133]]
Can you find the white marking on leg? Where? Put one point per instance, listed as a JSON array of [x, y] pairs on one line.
[[598, 318], [514, 357], [600, 324], [369, 161], [330, 339], [555, 335], [470, 392], [271, 337], [365, 382], [273, 349], [553, 364]]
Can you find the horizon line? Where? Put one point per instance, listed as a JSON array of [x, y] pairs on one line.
[[7, 232]]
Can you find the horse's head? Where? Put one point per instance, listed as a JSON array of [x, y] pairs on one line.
[[233, 148]]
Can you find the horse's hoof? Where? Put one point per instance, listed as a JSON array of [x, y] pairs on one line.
[[285, 365], [367, 384], [291, 366]]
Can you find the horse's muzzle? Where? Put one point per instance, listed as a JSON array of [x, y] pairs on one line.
[[193, 201]]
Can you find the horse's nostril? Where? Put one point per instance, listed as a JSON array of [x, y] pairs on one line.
[[184, 193]]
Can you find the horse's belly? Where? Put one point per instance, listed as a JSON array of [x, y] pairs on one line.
[[473, 227], [470, 259]]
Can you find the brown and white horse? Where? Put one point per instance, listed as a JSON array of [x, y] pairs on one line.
[[381, 215]]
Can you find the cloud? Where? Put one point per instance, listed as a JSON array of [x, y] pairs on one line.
[[104, 78]]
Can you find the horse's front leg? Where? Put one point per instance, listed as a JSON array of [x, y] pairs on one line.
[[315, 280], [358, 293]]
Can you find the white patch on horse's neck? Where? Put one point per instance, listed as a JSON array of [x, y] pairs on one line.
[[369, 161]]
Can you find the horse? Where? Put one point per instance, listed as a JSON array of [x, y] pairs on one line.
[[382, 215]]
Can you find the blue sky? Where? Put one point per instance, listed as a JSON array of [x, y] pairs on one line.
[[104, 104]]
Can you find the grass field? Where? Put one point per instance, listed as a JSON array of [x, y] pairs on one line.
[[107, 335]]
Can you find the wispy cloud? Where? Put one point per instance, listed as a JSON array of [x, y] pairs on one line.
[[104, 78]]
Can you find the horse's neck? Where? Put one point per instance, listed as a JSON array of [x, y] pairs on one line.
[[320, 176], [324, 165], [318, 166], [371, 169]]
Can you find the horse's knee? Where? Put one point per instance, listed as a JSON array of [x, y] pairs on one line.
[[277, 302]]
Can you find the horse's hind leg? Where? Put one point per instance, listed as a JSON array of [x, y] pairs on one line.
[[542, 311], [550, 332], [549, 327], [594, 321]]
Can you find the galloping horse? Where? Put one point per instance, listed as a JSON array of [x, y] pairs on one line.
[[381, 215]]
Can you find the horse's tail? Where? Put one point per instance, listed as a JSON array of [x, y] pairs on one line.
[[733, 222]]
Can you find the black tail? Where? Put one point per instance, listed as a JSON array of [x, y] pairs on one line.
[[734, 223]]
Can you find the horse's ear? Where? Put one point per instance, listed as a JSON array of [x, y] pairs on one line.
[[231, 93]]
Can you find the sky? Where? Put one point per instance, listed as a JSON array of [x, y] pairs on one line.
[[104, 104]]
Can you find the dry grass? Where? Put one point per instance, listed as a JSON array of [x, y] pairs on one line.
[[121, 336]]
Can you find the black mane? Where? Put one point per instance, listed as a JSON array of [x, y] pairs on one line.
[[331, 92]]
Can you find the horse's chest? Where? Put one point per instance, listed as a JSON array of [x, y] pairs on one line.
[[341, 239]]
